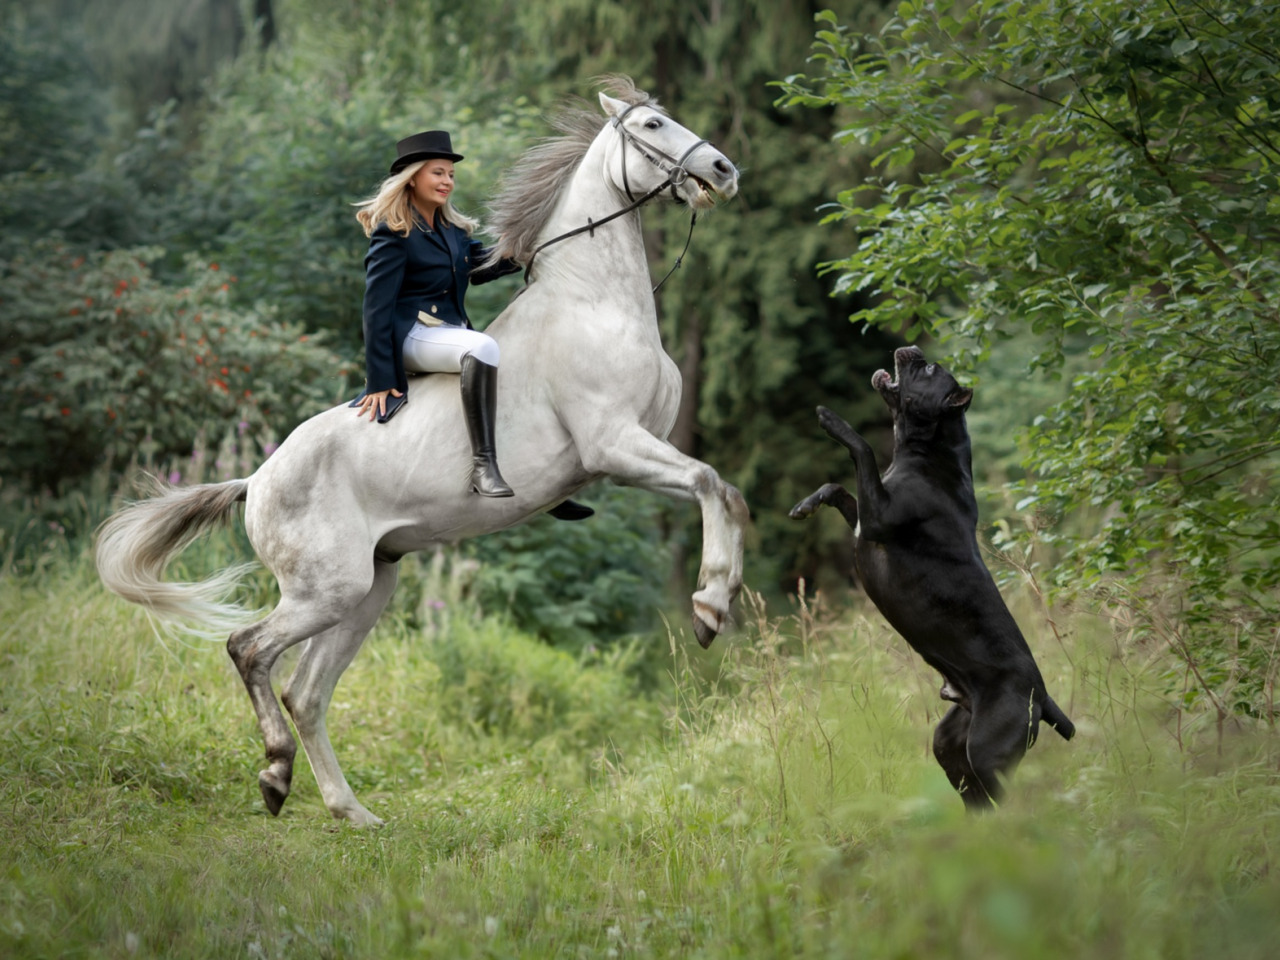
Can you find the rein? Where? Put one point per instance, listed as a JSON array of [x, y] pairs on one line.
[[676, 173]]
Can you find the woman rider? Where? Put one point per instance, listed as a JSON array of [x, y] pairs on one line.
[[421, 259]]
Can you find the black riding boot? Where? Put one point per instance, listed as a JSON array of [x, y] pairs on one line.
[[479, 403]]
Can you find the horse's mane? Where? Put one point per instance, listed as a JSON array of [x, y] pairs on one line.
[[528, 194]]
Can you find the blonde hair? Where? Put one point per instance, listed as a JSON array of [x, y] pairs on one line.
[[391, 205]]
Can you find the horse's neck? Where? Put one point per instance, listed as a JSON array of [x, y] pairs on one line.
[[609, 260]]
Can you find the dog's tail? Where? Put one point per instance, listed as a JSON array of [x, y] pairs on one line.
[[1052, 714]]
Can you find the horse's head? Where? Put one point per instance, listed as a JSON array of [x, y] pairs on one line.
[[651, 152]]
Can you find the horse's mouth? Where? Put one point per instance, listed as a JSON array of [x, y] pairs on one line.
[[706, 196]]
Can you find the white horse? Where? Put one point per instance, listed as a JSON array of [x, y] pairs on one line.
[[586, 391]]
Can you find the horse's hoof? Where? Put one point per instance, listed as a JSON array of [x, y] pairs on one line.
[[704, 633], [275, 790], [360, 818]]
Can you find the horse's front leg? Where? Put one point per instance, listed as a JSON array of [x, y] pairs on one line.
[[635, 457]]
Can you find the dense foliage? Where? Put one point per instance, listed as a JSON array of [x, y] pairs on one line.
[[104, 362], [1101, 177], [255, 164]]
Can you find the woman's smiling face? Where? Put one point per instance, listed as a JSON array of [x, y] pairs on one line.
[[432, 185]]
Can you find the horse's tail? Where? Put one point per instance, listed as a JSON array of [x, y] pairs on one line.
[[139, 541]]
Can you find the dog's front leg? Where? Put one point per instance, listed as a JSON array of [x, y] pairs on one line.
[[871, 492], [831, 495]]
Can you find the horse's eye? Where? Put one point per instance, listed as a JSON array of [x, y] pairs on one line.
[[652, 124]]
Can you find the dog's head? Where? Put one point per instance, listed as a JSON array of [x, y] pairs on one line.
[[923, 396]]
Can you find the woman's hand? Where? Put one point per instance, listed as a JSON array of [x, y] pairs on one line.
[[375, 404]]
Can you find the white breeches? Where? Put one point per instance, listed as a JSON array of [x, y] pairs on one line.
[[441, 349]]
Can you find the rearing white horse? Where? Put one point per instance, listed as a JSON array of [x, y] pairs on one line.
[[586, 391]]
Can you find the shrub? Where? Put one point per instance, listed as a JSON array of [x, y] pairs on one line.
[[103, 362]]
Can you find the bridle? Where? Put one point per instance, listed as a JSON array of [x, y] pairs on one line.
[[676, 171]]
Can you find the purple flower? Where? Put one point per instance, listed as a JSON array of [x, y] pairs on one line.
[[269, 448], [175, 477], [242, 426]]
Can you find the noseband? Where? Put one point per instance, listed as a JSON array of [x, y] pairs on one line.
[[676, 171]]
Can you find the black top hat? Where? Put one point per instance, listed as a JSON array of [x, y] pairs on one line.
[[423, 146]]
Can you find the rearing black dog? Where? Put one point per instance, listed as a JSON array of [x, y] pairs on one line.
[[916, 556]]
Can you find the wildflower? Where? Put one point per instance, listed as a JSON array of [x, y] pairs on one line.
[[66, 411], [213, 266], [175, 476], [243, 425]]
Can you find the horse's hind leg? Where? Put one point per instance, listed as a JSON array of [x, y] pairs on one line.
[[310, 688], [255, 649]]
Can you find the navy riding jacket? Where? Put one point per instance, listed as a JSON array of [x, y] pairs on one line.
[[425, 272]]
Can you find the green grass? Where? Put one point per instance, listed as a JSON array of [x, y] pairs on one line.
[[775, 798]]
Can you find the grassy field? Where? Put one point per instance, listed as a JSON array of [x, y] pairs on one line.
[[775, 798]]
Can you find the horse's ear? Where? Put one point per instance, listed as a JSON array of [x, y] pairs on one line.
[[611, 106]]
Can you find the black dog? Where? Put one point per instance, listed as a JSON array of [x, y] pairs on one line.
[[916, 556]]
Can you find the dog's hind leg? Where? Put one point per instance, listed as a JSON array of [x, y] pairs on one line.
[[951, 750], [999, 736]]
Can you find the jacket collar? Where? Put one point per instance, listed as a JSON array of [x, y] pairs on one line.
[[443, 235]]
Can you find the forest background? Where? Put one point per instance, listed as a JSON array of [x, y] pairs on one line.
[[1073, 203], [1087, 224]]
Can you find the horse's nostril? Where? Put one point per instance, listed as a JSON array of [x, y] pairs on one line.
[[724, 168]]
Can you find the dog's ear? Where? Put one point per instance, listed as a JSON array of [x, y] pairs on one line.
[[960, 397]]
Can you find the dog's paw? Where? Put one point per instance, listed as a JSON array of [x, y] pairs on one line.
[[802, 510], [830, 421], [836, 427], [819, 498]]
